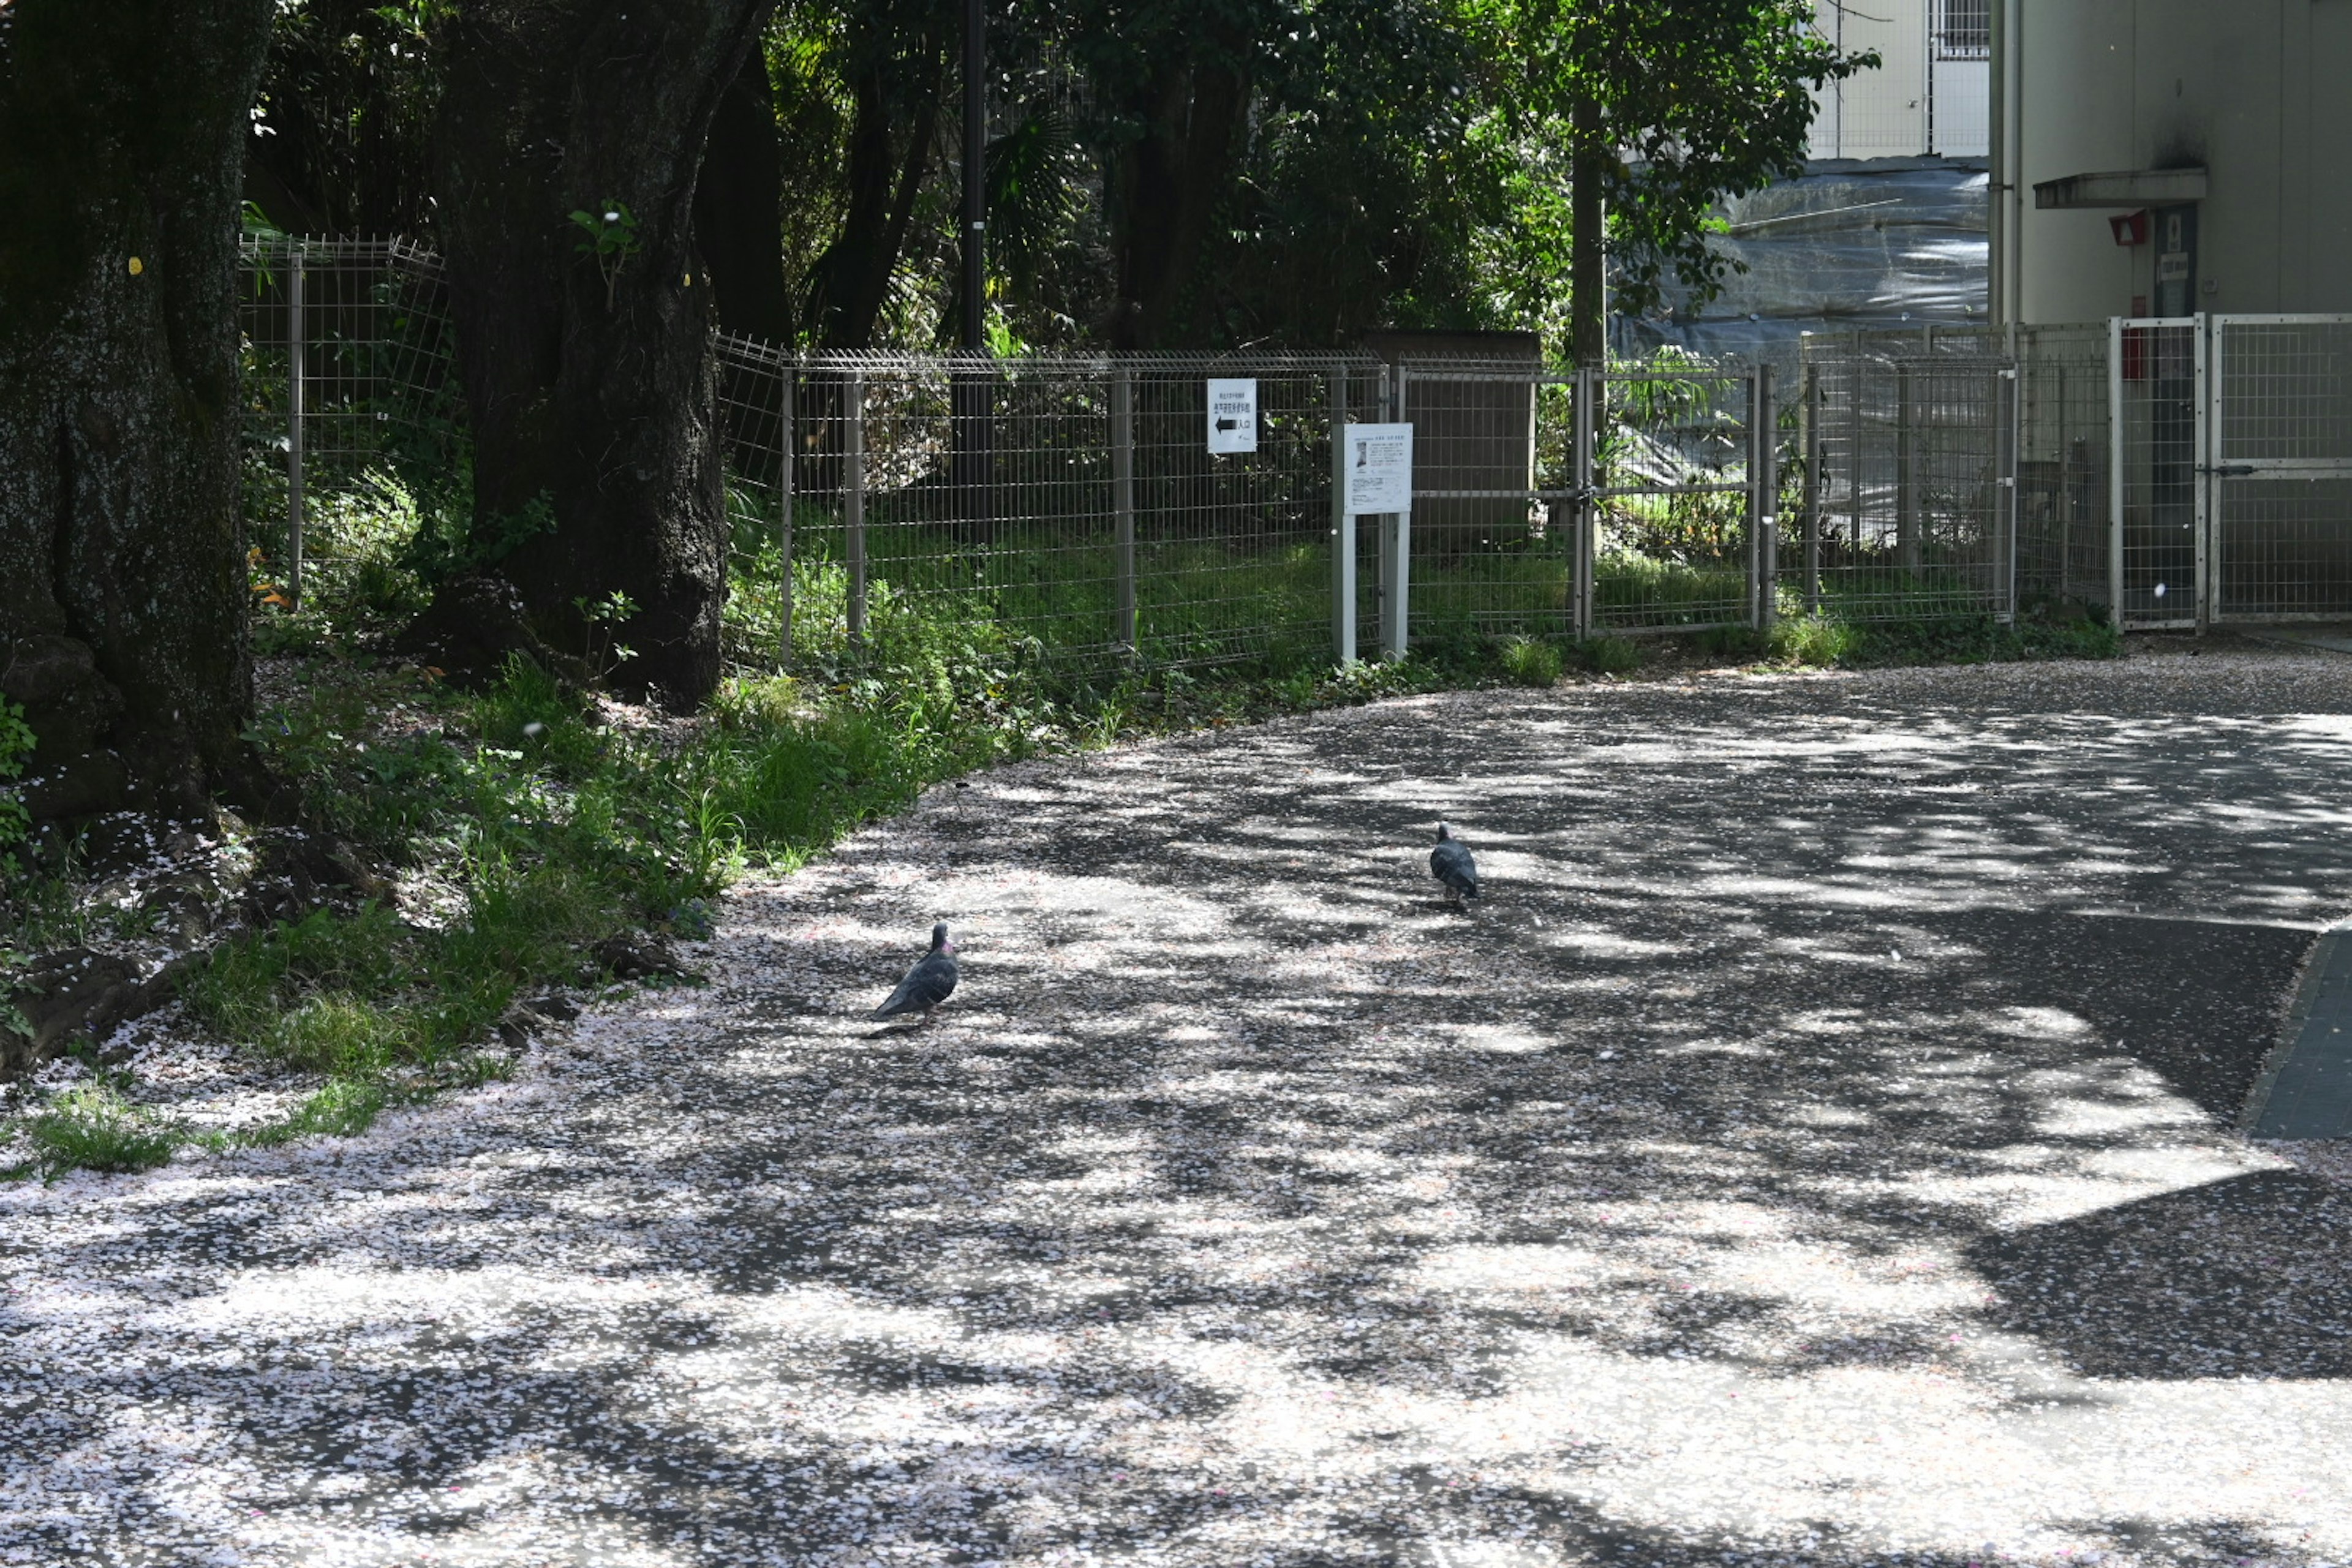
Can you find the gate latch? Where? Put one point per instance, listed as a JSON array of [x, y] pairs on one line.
[[2233, 471]]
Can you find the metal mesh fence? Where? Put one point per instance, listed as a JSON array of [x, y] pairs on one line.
[[933, 510], [2280, 421], [354, 421], [1493, 538], [2155, 501], [2062, 463], [1909, 515], [1675, 477], [936, 510], [1054, 508], [1953, 470]]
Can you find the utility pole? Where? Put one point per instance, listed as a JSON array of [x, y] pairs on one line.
[[975, 175], [973, 386]]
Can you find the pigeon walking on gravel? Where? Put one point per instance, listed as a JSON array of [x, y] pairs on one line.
[[926, 984], [1451, 863]]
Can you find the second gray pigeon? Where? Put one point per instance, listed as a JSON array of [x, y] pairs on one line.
[[929, 983], [1451, 863]]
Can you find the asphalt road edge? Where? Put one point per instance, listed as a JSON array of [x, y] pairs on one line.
[[2304, 1091]]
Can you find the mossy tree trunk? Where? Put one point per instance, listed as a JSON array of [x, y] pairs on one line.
[[122, 129], [592, 383]]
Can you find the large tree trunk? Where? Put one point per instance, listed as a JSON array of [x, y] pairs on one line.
[[591, 385], [123, 131], [1168, 183], [737, 220]]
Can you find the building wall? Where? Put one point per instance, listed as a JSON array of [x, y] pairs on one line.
[[2251, 90], [1918, 103]]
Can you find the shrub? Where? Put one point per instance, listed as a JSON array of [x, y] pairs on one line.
[[1531, 662], [1611, 656], [1814, 640], [17, 744]]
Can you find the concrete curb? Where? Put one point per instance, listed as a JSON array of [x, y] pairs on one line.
[[2305, 1087]]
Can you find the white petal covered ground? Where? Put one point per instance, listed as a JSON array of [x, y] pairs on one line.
[[1818, 1151]]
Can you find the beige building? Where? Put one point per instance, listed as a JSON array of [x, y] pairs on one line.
[[2165, 157]]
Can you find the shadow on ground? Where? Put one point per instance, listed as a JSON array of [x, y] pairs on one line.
[[1815, 1150]]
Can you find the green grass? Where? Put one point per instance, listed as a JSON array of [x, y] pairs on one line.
[[1639, 591], [1531, 662], [93, 1127], [1828, 639], [1611, 656]]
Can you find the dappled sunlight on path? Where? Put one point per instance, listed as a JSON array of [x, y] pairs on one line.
[[1817, 1147]]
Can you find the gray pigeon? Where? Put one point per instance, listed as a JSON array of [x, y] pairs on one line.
[[1451, 863], [926, 984]]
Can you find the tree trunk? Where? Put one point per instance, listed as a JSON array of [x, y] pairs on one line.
[[1169, 182], [122, 609], [853, 277], [736, 219], [591, 383], [1586, 288]]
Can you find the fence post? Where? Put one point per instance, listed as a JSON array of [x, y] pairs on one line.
[[1396, 560], [1763, 497], [2116, 472], [787, 371], [295, 376], [854, 523], [1343, 528], [2062, 504], [1811, 413], [2207, 448], [2009, 385], [1587, 512], [1906, 486], [1122, 498]]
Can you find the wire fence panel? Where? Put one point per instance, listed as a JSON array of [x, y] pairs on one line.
[[2062, 464], [1059, 509], [352, 415], [2157, 434], [1494, 490], [2279, 424], [1913, 513], [1673, 478]]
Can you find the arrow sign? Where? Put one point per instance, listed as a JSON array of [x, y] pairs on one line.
[[1233, 417]]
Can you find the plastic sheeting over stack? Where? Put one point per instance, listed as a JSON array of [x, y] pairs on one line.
[[1847, 246]]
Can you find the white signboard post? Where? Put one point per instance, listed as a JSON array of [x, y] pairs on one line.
[[1378, 461], [1376, 468], [1233, 417]]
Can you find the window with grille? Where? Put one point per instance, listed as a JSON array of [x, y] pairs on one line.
[[1963, 30]]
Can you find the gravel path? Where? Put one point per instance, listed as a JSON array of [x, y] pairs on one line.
[[1818, 1150]]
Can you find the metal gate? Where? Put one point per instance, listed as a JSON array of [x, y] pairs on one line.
[[1550, 503], [1680, 466], [2230, 469], [1912, 494], [2280, 467]]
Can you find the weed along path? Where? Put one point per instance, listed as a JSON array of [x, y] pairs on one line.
[[1817, 1150]]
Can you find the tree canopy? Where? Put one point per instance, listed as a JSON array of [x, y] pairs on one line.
[[1168, 172]]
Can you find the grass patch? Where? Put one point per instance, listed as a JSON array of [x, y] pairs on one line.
[[91, 1127], [1825, 640], [1610, 655], [1528, 662]]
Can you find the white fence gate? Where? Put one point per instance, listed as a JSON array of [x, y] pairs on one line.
[[2229, 443]]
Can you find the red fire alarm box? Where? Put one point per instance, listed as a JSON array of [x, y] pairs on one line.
[[2130, 228]]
